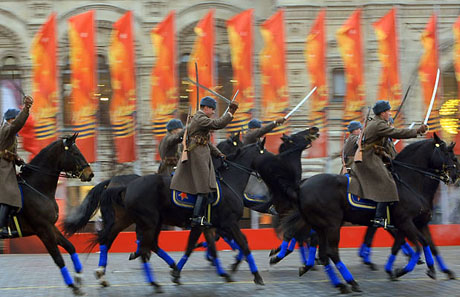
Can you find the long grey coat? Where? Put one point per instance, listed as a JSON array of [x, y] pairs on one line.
[[375, 179], [349, 149], [253, 135], [197, 174], [170, 152], [9, 190]]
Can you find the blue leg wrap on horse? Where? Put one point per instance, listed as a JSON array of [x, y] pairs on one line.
[[66, 275], [389, 265], [252, 263], [361, 250], [240, 256], [344, 272], [219, 269], [412, 262], [407, 249], [148, 272], [76, 262], [103, 255], [232, 244], [283, 249], [303, 254], [181, 263], [311, 256], [331, 273], [428, 256], [292, 244], [441, 264], [137, 244], [163, 255], [205, 244]]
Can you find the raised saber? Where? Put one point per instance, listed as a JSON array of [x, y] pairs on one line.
[[233, 99], [410, 127], [432, 98], [300, 104], [209, 90]]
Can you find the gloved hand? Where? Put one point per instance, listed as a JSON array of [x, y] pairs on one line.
[[20, 161], [280, 121], [233, 107], [28, 101], [222, 156], [422, 129]]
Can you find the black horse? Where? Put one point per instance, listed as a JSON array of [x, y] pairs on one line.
[[38, 181], [230, 144], [323, 205]]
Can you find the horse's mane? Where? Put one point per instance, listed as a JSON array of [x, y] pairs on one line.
[[412, 148], [45, 151]]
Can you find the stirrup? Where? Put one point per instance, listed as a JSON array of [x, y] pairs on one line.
[[378, 222], [6, 233], [200, 221]]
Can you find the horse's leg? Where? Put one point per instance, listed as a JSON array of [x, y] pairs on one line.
[[398, 240], [160, 252], [68, 246], [195, 233], [431, 248], [147, 241], [286, 247], [310, 262], [417, 238], [333, 237], [209, 236], [48, 237], [238, 258], [365, 250], [242, 242], [324, 258]]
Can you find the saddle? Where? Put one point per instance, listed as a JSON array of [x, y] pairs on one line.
[[186, 200], [358, 202]]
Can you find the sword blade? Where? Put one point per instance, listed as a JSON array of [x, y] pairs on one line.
[[233, 99], [209, 90], [433, 96], [299, 104]]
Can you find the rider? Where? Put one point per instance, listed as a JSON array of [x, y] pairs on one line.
[[170, 148], [256, 130], [197, 176], [376, 181], [351, 143], [11, 196]]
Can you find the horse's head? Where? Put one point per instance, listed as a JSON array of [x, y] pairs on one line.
[[247, 154], [230, 144], [71, 160], [300, 140], [443, 160], [456, 175]]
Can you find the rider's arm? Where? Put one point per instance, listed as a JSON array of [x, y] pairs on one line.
[[19, 122], [214, 150], [384, 130], [214, 124], [265, 129]]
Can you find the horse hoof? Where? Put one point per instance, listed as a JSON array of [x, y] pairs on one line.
[[99, 272], [431, 272], [227, 277], [400, 272], [78, 277], [372, 266], [355, 287], [273, 251], [235, 265], [391, 276], [258, 279], [77, 291], [288, 252], [274, 260], [157, 287], [420, 262], [175, 276], [104, 283], [133, 256], [343, 289], [303, 269], [450, 274]]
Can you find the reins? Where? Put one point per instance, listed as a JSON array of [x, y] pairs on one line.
[[438, 177]]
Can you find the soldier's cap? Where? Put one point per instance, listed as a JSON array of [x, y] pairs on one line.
[[174, 124], [254, 123], [381, 106], [209, 102], [11, 113], [353, 125]]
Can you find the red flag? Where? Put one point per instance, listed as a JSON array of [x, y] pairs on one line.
[[240, 36], [275, 100], [203, 55], [123, 103], [83, 66], [350, 46], [315, 57], [164, 77]]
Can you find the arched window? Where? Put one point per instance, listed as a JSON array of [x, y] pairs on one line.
[[338, 85], [10, 84]]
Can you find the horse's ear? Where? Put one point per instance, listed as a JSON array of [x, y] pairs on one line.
[[262, 144], [451, 147], [436, 138], [314, 130], [238, 134], [284, 138]]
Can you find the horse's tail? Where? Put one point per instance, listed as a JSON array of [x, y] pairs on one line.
[[80, 217], [291, 224], [109, 197]]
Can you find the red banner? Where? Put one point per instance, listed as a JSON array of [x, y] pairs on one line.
[[240, 35], [203, 55], [389, 86], [456, 29], [83, 65], [350, 46], [275, 100], [164, 77], [123, 102], [315, 57], [428, 69]]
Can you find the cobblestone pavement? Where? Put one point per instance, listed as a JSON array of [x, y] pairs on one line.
[[36, 275]]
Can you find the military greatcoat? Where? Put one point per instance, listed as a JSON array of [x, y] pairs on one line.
[[170, 152], [253, 135], [349, 149], [375, 179], [197, 176], [8, 184]]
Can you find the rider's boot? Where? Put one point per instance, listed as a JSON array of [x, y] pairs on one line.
[[198, 218], [4, 214], [381, 219]]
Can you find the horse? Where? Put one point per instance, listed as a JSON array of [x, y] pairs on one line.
[[38, 182], [323, 205], [229, 145]]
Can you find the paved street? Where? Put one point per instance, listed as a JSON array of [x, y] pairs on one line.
[[36, 275]]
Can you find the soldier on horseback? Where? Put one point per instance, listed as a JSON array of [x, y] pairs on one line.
[[351, 143], [197, 176], [169, 147], [256, 130], [376, 181], [11, 196]]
